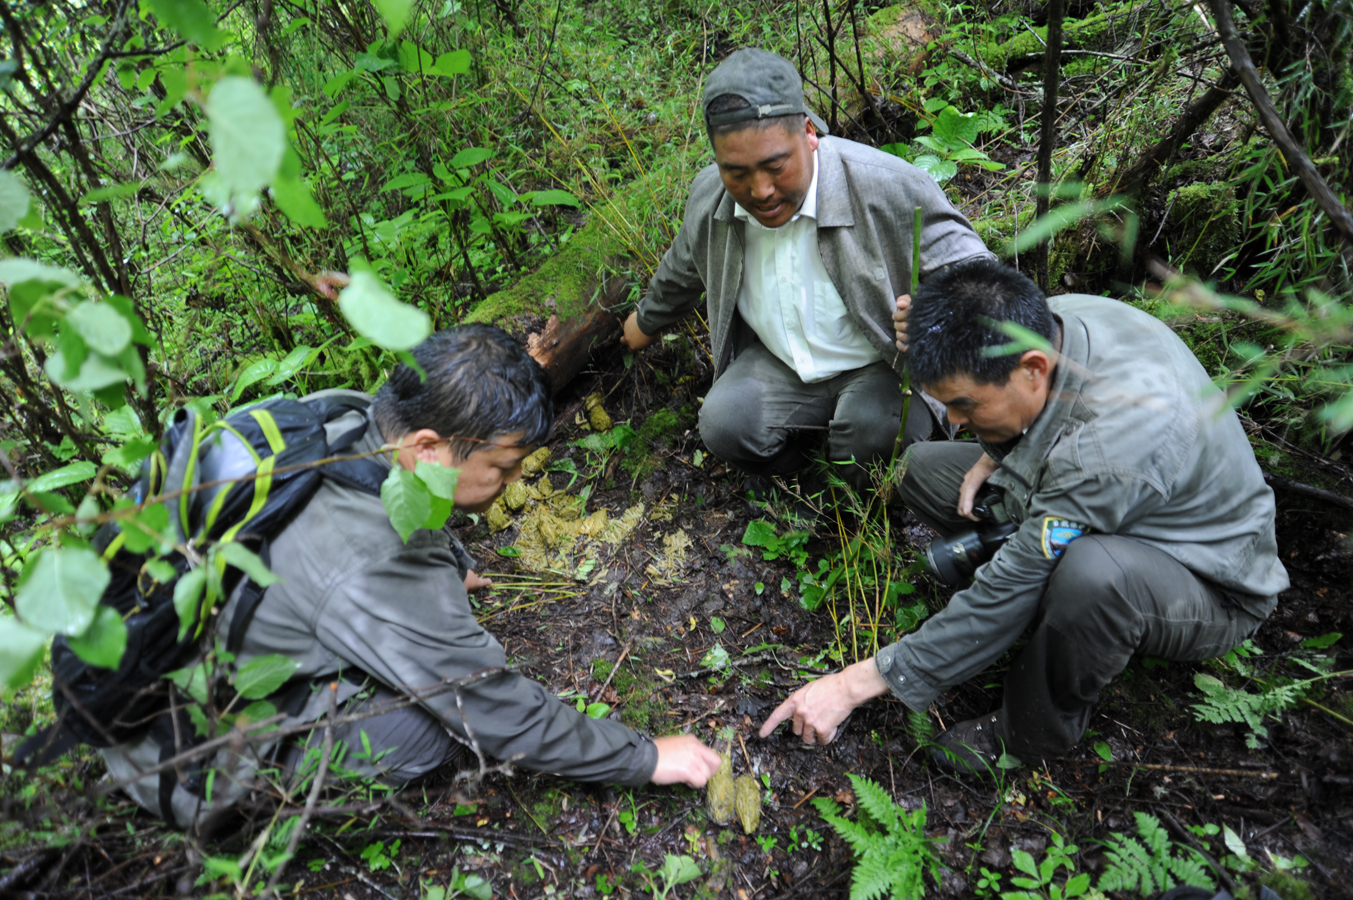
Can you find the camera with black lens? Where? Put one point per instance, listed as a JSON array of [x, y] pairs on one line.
[[955, 559]]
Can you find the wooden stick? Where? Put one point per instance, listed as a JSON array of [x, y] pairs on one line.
[[1188, 770], [1183, 834]]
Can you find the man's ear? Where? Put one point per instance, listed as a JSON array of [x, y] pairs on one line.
[[813, 138], [420, 446], [1035, 365]]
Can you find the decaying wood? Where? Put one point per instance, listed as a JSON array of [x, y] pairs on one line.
[[563, 347], [1307, 490]]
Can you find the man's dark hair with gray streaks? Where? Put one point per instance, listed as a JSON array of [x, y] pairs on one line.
[[952, 328], [480, 385]]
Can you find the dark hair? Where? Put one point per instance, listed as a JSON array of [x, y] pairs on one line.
[[953, 324], [480, 385], [729, 102]]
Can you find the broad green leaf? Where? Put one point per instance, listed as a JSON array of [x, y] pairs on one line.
[[293, 197], [439, 480], [95, 372], [102, 327], [112, 191], [261, 676], [247, 135], [192, 680], [554, 197], [146, 529], [190, 18], [292, 363], [21, 652], [597, 710], [457, 62], [395, 13], [471, 156], [407, 501], [130, 454], [69, 474], [759, 533], [188, 598], [716, 657], [1234, 843], [13, 201], [441, 511], [60, 589], [374, 313], [1104, 751], [679, 869], [17, 270], [414, 59], [162, 570], [939, 169], [253, 373], [244, 559], [258, 711], [1320, 643], [103, 642]]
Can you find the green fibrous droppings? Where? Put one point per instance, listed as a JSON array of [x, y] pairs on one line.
[[597, 416], [497, 516], [515, 496], [719, 793], [747, 799], [535, 462]]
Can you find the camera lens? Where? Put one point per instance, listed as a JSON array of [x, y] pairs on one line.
[[955, 559]]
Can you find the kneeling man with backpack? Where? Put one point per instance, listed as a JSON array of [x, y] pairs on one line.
[[369, 618]]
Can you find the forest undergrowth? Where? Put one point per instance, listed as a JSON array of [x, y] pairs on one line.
[[206, 205]]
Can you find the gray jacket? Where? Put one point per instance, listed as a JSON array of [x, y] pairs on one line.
[[353, 596], [1134, 440], [866, 205]]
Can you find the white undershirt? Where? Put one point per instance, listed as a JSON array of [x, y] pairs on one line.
[[790, 302]]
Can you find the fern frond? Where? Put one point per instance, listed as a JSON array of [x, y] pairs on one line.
[[872, 877], [1192, 870], [875, 800]]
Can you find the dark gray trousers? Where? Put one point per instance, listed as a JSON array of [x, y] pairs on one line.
[[1109, 597], [752, 413], [405, 743]]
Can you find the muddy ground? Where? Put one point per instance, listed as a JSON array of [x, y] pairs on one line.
[[535, 836]]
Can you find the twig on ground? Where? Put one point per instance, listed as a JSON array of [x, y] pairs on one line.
[[736, 664], [1186, 770], [1183, 834], [616, 668], [1308, 490]]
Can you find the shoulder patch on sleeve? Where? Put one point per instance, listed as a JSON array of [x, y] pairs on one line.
[[1057, 533]]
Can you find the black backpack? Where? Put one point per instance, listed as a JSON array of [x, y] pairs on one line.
[[242, 478]]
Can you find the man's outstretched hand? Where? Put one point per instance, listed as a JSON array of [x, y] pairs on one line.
[[633, 338], [900, 321], [682, 759], [818, 707]]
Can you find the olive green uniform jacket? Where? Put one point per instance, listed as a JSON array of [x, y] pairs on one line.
[[1135, 440], [866, 201]]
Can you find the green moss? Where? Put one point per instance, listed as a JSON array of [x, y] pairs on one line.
[[1205, 224], [549, 806], [1287, 886], [570, 278], [640, 706], [1076, 33]]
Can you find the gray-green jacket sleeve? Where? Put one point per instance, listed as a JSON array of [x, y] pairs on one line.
[[677, 286], [981, 622], [406, 621]]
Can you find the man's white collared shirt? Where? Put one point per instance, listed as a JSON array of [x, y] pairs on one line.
[[790, 302]]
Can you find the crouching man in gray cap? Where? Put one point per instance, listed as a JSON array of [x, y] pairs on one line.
[[1144, 523], [802, 245]]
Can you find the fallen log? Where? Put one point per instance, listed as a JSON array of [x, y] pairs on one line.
[[566, 309]]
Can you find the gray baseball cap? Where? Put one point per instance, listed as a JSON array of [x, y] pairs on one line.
[[766, 80]]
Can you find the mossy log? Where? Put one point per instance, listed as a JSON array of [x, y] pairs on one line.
[[566, 308], [1027, 47]]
